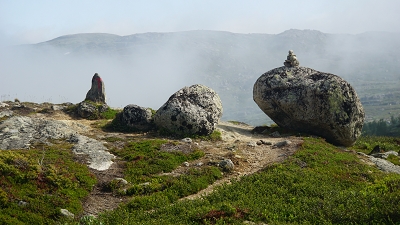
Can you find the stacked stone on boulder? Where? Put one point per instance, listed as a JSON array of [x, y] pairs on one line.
[[191, 110], [137, 117], [310, 101]]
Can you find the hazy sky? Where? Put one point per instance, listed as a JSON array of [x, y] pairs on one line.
[[40, 20]]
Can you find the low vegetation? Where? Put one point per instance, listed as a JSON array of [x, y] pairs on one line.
[[319, 184], [36, 184], [147, 163]]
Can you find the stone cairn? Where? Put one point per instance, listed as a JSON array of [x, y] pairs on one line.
[[291, 60], [97, 91]]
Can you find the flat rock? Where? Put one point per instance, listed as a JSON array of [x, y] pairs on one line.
[[19, 132]]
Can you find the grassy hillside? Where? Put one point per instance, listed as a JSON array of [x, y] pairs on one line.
[[319, 184]]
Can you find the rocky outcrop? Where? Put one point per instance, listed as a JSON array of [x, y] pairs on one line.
[[191, 110], [20, 132], [138, 118], [98, 156], [381, 162], [310, 101], [97, 92]]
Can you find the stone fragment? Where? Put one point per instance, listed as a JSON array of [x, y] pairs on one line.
[[67, 214], [227, 165], [191, 110], [282, 143], [187, 140], [252, 144]]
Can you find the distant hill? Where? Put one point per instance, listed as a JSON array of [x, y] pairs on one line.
[[230, 63]]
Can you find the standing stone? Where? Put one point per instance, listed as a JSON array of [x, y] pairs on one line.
[[191, 110], [137, 117], [310, 101], [97, 91]]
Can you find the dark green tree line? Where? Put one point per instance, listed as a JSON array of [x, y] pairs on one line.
[[383, 128]]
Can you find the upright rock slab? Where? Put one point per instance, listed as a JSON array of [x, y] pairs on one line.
[[97, 92], [310, 101], [191, 110]]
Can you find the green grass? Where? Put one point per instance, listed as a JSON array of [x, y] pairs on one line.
[[319, 184], [367, 143], [109, 113], [47, 180], [145, 159], [146, 163]]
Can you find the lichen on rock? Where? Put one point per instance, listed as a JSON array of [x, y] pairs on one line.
[[311, 101], [191, 110]]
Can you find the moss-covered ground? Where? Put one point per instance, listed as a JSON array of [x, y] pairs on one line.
[[319, 184], [35, 184]]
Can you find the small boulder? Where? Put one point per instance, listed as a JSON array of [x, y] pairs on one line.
[[227, 165], [137, 117], [282, 143], [377, 149], [97, 91], [91, 110], [191, 110], [306, 100]]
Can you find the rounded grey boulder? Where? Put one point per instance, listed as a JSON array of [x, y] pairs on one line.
[[310, 101], [137, 117], [90, 110], [191, 110]]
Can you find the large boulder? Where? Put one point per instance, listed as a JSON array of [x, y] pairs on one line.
[[137, 117], [310, 101], [97, 91], [191, 110]]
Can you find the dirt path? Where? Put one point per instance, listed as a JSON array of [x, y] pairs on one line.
[[239, 144]]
